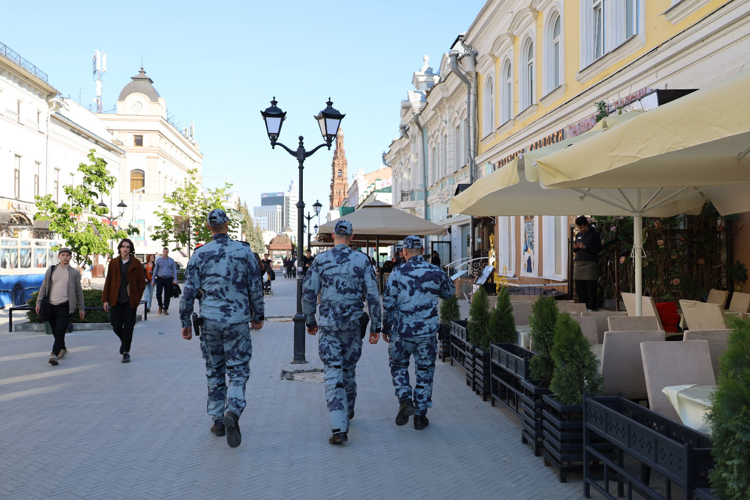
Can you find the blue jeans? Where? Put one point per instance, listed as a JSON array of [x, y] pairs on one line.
[[148, 294]]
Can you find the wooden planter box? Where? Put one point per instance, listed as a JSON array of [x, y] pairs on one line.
[[532, 408], [444, 342], [482, 373], [509, 366], [705, 494], [680, 454], [458, 342], [469, 365], [562, 436]]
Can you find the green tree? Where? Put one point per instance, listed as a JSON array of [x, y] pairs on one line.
[[479, 317], [252, 231], [184, 212], [450, 311], [730, 417], [502, 326], [79, 220], [543, 320], [576, 369]]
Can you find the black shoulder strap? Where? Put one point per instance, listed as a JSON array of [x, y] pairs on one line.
[[51, 272]]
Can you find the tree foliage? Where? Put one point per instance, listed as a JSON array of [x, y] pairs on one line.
[[78, 221], [576, 369], [730, 417], [502, 325], [479, 317], [543, 320], [184, 212], [251, 229], [450, 311]]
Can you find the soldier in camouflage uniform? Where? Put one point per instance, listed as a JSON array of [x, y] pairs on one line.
[[410, 325], [345, 278], [225, 276]]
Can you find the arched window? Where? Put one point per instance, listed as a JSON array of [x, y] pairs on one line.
[[489, 106], [527, 77], [137, 179], [507, 91], [553, 56], [338, 173]]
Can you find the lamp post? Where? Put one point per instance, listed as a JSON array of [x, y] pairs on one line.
[[329, 120], [111, 217]]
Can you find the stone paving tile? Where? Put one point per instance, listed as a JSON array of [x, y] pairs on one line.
[[96, 428]]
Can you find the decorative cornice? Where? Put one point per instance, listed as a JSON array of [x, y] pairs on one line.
[[553, 96], [502, 43], [629, 47], [682, 9], [523, 18], [527, 113]]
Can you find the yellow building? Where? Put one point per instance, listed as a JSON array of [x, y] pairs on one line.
[[541, 67]]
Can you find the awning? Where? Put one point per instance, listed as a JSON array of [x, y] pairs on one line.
[[702, 139], [5, 217], [41, 224], [378, 219]]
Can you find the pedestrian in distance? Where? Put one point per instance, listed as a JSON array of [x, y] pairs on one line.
[[62, 285], [148, 272], [86, 276], [586, 247], [165, 272], [123, 289], [224, 275], [410, 326], [345, 279], [307, 261]]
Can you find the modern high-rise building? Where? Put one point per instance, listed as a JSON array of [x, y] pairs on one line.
[[273, 214], [287, 200]]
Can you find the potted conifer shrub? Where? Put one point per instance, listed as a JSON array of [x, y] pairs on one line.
[[575, 372], [501, 329], [730, 419], [449, 311], [479, 317]]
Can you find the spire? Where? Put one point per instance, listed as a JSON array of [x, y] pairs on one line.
[[339, 178]]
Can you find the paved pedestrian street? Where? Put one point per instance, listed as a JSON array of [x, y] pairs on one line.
[[96, 428]]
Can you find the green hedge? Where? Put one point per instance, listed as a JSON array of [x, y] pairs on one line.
[[92, 298]]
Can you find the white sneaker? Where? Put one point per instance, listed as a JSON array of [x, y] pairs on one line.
[[63, 353], [53, 359]]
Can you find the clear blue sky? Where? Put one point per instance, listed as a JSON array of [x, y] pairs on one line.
[[219, 63]]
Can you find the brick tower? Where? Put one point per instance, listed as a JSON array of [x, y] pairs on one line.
[[339, 182]]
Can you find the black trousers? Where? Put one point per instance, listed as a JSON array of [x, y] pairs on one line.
[[122, 317], [59, 319], [586, 292], [164, 285]]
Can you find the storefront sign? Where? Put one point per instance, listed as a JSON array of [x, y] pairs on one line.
[[588, 123], [545, 141]]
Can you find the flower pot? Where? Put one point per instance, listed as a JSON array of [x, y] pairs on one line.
[[705, 494], [444, 342], [509, 366], [532, 408], [562, 439], [482, 373], [458, 341]]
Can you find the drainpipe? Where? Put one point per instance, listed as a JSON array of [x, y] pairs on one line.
[[423, 156], [453, 55]]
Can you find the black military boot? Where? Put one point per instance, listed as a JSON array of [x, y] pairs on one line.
[[232, 424], [218, 428], [405, 410], [351, 414], [338, 437], [420, 422]]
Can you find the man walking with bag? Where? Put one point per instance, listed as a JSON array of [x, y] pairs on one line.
[[61, 294], [165, 275], [122, 292]]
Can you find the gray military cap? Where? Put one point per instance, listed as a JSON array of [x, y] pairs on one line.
[[217, 217], [413, 242], [343, 228]]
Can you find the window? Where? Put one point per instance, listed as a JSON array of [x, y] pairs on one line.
[[39, 120], [507, 93], [17, 178], [445, 155], [489, 106], [338, 173], [137, 179], [457, 149], [555, 247], [529, 256], [18, 110], [56, 186], [37, 169], [527, 94], [598, 34], [553, 54], [138, 141], [631, 18], [72, 179], [506, 246]]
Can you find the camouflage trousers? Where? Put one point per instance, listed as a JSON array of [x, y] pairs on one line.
[[227, 349], [340, 348], [424, 350]]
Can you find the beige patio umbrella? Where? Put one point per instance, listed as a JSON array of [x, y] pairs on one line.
[[697, 145], [382, 221]]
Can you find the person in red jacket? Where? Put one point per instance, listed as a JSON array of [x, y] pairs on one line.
[[123, 289]]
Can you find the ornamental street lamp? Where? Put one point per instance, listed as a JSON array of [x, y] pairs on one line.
[[308, 217], [111, 217], [329, 120]]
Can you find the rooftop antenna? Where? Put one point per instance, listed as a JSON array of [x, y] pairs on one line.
[[100, 67]]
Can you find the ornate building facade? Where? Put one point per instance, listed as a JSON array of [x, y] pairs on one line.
[[339, 180]]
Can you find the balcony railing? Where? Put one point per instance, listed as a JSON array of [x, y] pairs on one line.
[[407, 195], [15, 57]]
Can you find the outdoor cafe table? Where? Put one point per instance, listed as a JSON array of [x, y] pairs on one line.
[[691, 403]]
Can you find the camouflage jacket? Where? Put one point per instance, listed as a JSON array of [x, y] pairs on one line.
[[411, 296], [227, 274], [346, 279]]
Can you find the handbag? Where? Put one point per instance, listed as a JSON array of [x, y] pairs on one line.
[[44, 305], [176, 291]]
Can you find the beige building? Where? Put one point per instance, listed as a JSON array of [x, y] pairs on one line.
[[159, 154]]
